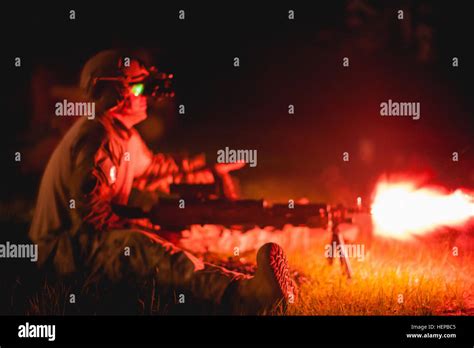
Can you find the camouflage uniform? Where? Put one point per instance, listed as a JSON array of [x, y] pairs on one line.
[[95, 167], [74, 224]]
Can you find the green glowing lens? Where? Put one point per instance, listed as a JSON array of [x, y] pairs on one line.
[[137, 89]]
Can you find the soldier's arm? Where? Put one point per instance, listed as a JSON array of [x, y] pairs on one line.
[[158, 171], [93, 176]]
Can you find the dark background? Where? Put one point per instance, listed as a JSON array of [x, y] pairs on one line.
[[282, 62]]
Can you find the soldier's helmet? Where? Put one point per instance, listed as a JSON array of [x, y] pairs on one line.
[[106, 76]]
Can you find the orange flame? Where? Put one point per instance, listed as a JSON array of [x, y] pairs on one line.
[[401, 209]]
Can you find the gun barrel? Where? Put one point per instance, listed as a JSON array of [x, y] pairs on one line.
[[176, 212]]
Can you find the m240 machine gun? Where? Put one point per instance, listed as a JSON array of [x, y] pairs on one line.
[[191, 204]]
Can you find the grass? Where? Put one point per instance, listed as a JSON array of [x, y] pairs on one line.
[[395, 278]]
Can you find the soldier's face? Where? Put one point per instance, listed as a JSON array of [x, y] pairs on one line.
[[135, 104], [134, 77], [133, 108]]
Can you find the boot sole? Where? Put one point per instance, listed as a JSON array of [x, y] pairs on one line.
[[273, 265]]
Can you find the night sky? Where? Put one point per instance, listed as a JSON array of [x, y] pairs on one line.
[[282, 62]]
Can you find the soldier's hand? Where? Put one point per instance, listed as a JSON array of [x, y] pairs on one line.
[[199, 177], [224, 168], [194, 163], [167, 166]]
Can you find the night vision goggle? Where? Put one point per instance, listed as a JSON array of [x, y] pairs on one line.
[[156, 84]]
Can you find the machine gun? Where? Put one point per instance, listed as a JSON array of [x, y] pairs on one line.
[[196, 207], [191, 204], [202, 204], [174, 214]]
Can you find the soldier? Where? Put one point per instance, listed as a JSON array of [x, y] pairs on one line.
[[74, 223]]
